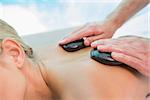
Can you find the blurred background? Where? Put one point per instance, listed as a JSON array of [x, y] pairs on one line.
[[36, 16]]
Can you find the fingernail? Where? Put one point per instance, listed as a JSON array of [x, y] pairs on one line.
[[93, 44], [86, 42], [84, 38]]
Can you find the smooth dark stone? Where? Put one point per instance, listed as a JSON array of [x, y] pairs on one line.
[[104, 57], [74, 46]]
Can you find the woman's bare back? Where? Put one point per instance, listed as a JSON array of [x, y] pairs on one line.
[[84, 78]]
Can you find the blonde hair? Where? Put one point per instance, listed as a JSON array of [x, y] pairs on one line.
[[6, 31]]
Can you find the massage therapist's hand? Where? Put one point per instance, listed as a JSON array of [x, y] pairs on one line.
[[131, 50], [91, 32], [95, 31]]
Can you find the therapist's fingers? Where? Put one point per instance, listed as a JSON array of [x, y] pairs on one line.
[[78, 34], [125, 49], [132, 62], [120, 49], [110, 48], [101, 35], [99, 42], [129, 60], [89, 40], [92, 32]]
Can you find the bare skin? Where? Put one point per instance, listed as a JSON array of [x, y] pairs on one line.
[[59, 75], [20, 78], [78, 77], [104, 30], [101, 30], [137, 56]]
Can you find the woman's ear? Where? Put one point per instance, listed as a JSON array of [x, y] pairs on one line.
[[14, 50]]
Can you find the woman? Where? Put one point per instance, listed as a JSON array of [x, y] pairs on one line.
[[54, 74]]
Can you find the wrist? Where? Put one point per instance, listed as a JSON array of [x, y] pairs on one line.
[[112, 25], [115, 23]]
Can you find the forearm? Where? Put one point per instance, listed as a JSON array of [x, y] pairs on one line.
[[125, 10]]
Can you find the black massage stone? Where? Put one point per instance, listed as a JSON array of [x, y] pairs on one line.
[[74, 46], [104, 58]]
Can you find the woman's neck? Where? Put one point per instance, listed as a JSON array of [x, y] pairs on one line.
[[36, 86]]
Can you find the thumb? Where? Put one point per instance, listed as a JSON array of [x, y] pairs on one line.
[[126, 59], [132, 62]]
